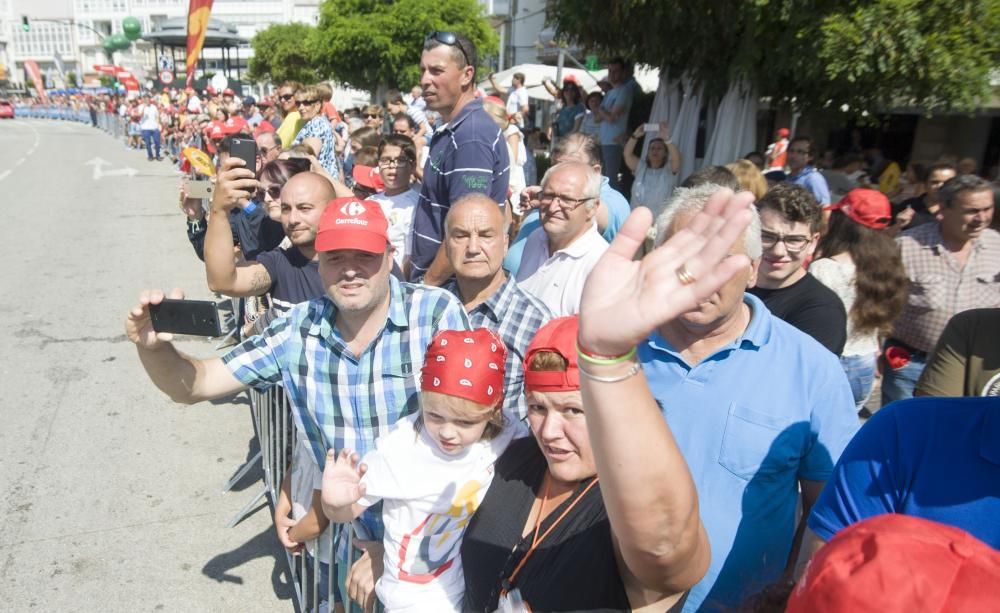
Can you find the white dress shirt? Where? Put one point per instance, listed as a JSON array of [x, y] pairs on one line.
[[557, 279]]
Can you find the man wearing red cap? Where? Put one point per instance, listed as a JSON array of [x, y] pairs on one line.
[[347, 359]]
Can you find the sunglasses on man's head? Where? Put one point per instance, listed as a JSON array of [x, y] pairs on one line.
[[450, 39]]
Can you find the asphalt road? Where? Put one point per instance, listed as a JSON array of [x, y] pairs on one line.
[[113, 495]]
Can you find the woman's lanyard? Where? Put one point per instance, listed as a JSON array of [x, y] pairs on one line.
[[535, 539]]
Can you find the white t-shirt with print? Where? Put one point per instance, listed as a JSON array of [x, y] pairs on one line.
[[398, 211], [150, 117], [428, 499]]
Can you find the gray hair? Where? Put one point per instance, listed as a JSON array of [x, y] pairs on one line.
[[961, 183], [687, 200], [592, 185]]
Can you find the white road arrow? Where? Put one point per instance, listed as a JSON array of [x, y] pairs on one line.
[[100, 163]]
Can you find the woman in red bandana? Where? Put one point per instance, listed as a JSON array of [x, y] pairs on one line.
[[431, 472]]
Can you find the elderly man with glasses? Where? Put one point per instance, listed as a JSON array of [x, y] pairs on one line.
[[467, 154], [790, 220], [558, 256]]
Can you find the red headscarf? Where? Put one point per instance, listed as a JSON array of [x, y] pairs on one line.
[[466, 363]]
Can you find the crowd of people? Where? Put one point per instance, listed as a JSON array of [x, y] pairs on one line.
[[535, 395]]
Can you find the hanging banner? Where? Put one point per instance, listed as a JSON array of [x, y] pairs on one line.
[[198, 14], [36, 76]]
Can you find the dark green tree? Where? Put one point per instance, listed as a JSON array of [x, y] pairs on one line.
[[280, 54], [370, 44], [869, 55]]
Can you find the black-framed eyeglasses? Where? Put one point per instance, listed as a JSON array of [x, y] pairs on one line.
[[565, 202], [450, 39], [286, 97], [393, 162], [794, 243]]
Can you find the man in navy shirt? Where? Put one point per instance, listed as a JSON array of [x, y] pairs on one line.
[[467, 154]]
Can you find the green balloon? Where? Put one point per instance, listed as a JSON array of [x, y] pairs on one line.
[[109, 45], [132, 28], [120, 41]]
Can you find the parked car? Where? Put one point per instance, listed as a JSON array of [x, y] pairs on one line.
[[6, 109]]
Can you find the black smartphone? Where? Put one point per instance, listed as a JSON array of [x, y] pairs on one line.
[[246, 150], [194, 317]]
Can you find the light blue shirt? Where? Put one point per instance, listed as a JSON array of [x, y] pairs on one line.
[[770, 409], [618, 211], [610, 132], [813, 180]]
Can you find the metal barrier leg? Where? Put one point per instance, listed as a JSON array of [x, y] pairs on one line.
[[242, 472], [246, 510]]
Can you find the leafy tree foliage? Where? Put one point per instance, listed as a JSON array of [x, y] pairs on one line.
[[372, 43], [279, 54], [935, 54]]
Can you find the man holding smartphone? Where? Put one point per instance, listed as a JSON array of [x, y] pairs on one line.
[[321, 347]]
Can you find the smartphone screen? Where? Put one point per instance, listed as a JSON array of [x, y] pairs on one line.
[[246, 150], [194, 317]]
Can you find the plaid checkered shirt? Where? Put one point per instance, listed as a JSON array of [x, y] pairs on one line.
[[515, 315], [939, 287], [340, 400]]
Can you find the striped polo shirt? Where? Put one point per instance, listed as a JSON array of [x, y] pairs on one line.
[[468, 154]]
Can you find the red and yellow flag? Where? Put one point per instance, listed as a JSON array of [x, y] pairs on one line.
[[198, 14]]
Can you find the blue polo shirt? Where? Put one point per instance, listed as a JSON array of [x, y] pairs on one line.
[[813, 180], [935, 458], [771, 408], [468, 154], [618, 211]]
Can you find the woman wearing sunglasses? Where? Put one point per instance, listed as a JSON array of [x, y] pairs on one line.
[[317, 133], [374, 118]]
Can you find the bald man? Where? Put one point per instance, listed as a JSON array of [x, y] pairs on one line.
[[475, 243], [290, 275]]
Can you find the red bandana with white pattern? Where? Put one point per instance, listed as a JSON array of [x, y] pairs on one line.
[[466, 363]]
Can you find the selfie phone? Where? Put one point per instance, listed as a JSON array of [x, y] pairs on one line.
[[194, 317], [246, 150], [651, 127], [199, 189]]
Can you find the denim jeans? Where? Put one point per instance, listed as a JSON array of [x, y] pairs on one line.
[[860, 371], [898, 384], [611, 163], [150, 137]]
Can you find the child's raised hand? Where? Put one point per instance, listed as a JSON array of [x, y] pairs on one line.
[[342, 485]]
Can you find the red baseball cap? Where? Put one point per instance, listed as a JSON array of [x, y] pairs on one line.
[[557, 336], [368, 176], [898, 563], [349, 223], [783, 132], [228, 92], [868, 207]]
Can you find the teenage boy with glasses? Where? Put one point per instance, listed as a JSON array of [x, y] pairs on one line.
[[790, 219], [396, 163]]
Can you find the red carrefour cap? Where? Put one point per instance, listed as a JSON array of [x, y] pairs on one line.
[[349, 223], [368, 176], [868, 207], [218, 130], [557, 336], [228, 92], [898, 563], [465, 363]]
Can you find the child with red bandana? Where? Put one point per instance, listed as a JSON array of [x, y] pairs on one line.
[[431, 472]]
